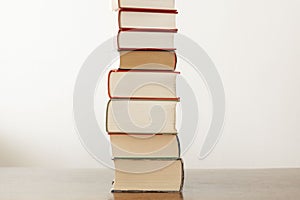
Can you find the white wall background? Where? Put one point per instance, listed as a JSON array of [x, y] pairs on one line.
[[254, 44]]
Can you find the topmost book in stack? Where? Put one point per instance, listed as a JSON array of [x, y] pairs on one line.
[[146, 159]]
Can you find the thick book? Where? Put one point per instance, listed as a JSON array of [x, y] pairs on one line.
[[147, 4], [148, 196], [141, 117], [146, 84], [145, 146], [146, 40], [148, 60], [131, 19], [148, 175]]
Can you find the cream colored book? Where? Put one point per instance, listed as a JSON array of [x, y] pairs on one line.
[[147, 4], [141, 117], [147, 20], [142, 84], [160, 175], [137, 40], [145, 146], [148, 195], [148, 60]]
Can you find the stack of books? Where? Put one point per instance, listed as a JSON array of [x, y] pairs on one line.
[[141, 113]]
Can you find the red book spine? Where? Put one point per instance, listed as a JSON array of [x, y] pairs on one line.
[[146, 9]]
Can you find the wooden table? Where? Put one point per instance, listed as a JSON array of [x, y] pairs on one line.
[[94, 184]]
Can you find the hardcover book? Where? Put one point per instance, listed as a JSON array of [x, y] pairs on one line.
[[147, 19], [141, 117], [145, 146], [148, 196], [147, 4], [146, 40], [148, 60], [146, 175], [137, 84]]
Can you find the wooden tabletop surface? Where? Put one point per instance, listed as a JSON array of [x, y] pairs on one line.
[[94, 184]]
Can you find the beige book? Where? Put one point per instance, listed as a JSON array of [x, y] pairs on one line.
[[133, 40], [141, 117], [144, 146], [147, 20], [134, 175], [142, 84], [148, 195], [151, 60], [150, 4]]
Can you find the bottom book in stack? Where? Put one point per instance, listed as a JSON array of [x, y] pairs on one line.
[[148, 175], [157, 195]]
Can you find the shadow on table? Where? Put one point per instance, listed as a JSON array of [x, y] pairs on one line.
[[148, 196]]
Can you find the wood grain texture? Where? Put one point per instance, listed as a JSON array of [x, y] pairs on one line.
[[93, 184]]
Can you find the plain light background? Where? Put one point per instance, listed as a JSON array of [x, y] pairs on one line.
[[255, 46]]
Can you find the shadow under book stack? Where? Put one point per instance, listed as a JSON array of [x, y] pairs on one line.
[[141, 113]]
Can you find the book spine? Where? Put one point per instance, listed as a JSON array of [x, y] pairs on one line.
[[148, 10], [174, 30]]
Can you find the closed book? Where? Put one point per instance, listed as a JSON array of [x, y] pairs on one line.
[[141, 117], [137, 84], [131, 19], [148, 60], [147, 4], [148, 175], [146, 40], [148, 196], [144, 146]]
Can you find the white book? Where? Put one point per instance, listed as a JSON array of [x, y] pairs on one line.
[[148, 4], [136, 175], [141, 117], [142, 84], [145, 146], [147, 20], [132, 40]]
